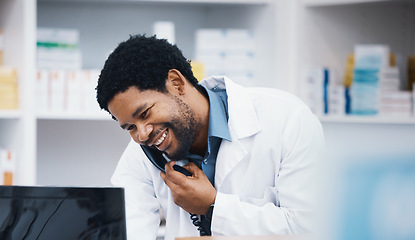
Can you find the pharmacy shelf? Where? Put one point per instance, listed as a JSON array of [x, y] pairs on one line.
[[320, 3], [92, 139], [291, 34], [73, 116], [10, 114], [368, 119]]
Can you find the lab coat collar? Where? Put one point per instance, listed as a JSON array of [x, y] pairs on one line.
[[243, 120]]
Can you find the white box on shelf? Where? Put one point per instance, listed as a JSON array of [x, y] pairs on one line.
[[56, 91], [336, 100], [237, 40], [59, 59], [42, 83], [242, 77], [395, 103], [239, 61], [214, 64], [227, 52], [312, 89], [165, 30], [389, 79], [210, 40], [58, 48], [67, 36], [73, 83], [371, 56], [88, 94]]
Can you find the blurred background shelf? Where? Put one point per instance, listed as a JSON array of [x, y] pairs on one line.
[[82, 149], [368, 119], [10, 114], [74, 116], [51, 148]]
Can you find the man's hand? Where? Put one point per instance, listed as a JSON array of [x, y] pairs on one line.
[[195, 193]]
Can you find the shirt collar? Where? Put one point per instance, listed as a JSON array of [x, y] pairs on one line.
[[218, 117]]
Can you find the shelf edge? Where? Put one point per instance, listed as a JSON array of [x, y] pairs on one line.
[[368, 119], [10, 114], [73, 116]]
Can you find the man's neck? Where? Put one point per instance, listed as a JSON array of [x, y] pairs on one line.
[[200, 104]]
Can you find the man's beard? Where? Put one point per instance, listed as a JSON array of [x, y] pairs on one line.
[[184, 127]]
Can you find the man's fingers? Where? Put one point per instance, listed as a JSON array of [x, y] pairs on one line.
[[173, 175], [163, 176], [168, 181], [192, 168]]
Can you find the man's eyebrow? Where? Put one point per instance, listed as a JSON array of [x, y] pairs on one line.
[[135, 113], [138, 110]]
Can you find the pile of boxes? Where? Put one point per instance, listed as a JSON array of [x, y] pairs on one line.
[[71, 91], [322, 93], [228, 52], [376, 86], [372, 85], [61, 84]]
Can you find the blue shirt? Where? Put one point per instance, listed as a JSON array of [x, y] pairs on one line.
[[217, 130]]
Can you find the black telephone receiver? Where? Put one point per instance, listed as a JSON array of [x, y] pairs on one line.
[[156, 157]]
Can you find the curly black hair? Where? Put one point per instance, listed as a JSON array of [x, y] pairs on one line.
[[143, 62]]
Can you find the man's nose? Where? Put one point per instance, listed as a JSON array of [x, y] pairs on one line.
[[143, 132]]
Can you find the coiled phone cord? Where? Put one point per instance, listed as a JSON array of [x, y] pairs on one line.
[[198, 224]]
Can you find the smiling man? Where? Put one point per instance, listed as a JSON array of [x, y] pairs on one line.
[[176, 126], [247, 153]]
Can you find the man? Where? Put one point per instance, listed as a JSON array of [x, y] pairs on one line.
[[249, 152]]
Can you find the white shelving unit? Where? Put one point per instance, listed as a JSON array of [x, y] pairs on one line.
[[18, 128], [82, 149], [328, 30]]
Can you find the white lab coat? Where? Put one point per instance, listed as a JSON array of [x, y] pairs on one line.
[[264, 177]]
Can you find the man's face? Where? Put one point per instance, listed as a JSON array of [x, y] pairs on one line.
[[155, 119]]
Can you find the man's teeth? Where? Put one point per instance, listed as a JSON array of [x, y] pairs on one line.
[[163, 136]]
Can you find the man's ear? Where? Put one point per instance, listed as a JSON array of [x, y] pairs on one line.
[[176, 82]]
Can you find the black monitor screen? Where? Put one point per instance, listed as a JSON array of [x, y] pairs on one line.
[[62, 213]]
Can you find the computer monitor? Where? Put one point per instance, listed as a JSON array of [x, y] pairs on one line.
[[34, 212]]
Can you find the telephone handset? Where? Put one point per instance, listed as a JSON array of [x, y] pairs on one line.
[[156, 157]]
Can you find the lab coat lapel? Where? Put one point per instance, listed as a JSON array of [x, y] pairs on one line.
[[242, 123], [229, 155]]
